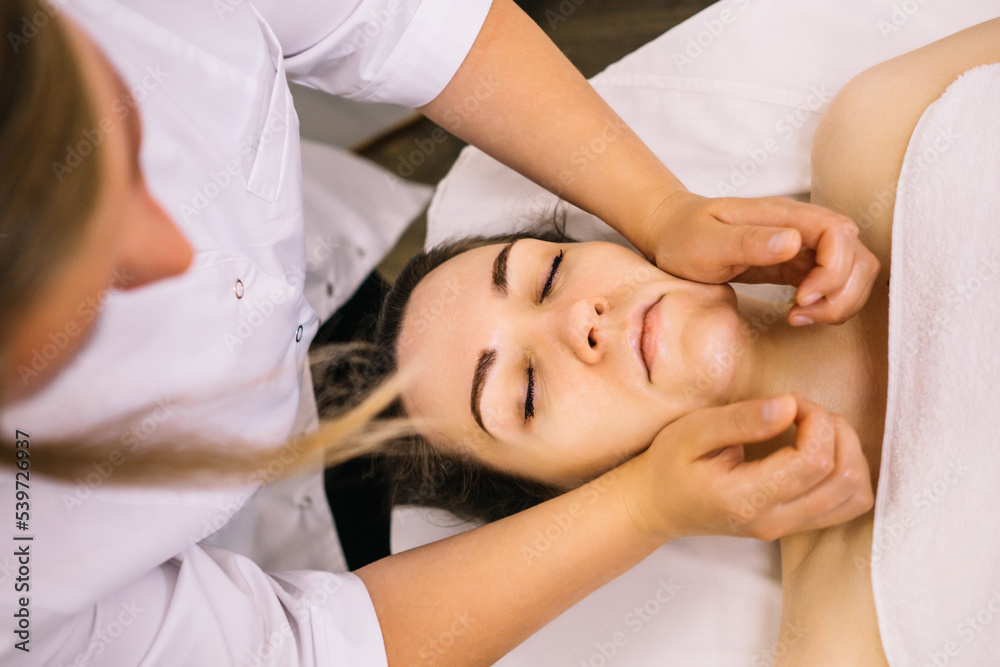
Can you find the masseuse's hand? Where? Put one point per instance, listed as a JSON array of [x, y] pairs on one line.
[[694, 479], [767, 240]]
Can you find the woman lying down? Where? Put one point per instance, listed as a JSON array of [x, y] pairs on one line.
[[546, 351]]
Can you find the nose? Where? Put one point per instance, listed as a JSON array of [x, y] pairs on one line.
[[151, 245], [580, 328]]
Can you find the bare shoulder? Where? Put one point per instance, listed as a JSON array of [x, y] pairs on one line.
[[861, 140]]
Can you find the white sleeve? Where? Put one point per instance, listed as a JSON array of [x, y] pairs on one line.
[[210, 606], [400, 51]]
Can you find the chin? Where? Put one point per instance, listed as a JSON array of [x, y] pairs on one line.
[[717, 344]]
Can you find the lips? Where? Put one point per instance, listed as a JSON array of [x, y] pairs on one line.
[[638, 334], [649, 340]]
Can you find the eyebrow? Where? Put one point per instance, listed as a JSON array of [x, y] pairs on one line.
[[486, 360], [488, 356], [500, 269]]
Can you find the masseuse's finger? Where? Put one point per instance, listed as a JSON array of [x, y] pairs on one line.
[[839, 285], [843, 270], [842, 303], [834, 257], [844, 495], [754, 241], [791, 471], [715, 240], [721, 431], [790, 272], [744, 250]]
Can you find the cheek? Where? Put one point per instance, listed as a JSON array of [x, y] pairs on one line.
[[51, 337], [622, 274], [597, 428]]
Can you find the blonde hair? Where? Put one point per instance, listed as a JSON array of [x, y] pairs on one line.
[[195, 460], [46, 107]]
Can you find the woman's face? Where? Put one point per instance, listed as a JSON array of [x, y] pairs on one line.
[[559, 361]]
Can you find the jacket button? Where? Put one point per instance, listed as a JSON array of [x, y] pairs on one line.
[[238, 288], [298, 334]]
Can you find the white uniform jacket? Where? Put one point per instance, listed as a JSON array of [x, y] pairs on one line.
[[121, 575]]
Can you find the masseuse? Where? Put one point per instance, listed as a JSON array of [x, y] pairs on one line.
[[119, 309]]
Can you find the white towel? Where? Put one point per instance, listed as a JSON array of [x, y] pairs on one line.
[[936, 550]]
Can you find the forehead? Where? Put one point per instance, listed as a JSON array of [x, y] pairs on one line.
[[452, 316]]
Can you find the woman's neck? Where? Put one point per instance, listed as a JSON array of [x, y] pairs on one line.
[[831, 366]]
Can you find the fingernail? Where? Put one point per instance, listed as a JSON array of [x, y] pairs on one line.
[[779, 241], [800, 320], [772, 409], [809, 299]]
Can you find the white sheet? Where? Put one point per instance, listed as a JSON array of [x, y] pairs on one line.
[[936, 548]]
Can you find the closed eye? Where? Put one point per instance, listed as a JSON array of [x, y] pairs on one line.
[[529, 399], [556, 261]]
